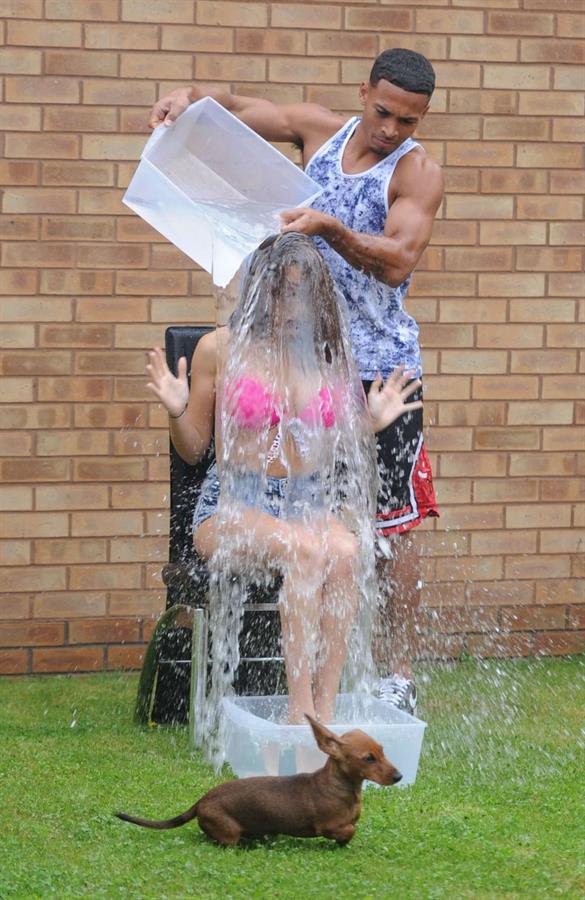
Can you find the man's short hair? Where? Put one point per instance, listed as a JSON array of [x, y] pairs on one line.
[[406, 69]]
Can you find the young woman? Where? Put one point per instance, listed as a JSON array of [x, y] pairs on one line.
[[278, 392]]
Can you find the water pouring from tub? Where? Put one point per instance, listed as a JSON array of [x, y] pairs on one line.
[[293, 444]]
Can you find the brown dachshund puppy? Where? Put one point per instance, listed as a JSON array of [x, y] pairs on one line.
[[324, 803]]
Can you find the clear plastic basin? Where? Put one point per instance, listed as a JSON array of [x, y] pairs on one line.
[[214, 188], [260, 742]]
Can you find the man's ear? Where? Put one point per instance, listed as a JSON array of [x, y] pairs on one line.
[[363, 92], [328, 742]]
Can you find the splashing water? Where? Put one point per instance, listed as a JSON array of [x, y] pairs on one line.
[[296, 462]]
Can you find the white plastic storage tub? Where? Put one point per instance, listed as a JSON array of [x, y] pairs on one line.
[[214, 188], [260, 742]]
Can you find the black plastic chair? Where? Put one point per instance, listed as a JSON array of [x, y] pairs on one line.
[[174, 675]]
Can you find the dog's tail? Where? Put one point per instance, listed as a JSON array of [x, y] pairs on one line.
[[182, 819]]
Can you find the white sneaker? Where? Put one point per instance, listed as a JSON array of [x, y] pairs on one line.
[[399, 692]]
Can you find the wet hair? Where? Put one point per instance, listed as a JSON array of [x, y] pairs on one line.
[[406, 69], [267, 289]]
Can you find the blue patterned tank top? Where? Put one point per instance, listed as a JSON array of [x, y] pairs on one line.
[[382, 334]]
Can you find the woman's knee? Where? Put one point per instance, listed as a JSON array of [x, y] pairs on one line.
[[307, 557], [343, 548]]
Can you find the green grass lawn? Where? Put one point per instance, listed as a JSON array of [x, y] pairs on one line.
[[497, 811]]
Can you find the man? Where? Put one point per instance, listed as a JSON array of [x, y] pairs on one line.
[[372, 223]]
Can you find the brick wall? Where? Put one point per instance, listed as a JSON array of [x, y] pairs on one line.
[[85, 287]]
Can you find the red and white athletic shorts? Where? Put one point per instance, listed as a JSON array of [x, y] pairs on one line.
[[406, 495]]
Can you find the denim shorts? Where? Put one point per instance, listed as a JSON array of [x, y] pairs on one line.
[[281, 497]]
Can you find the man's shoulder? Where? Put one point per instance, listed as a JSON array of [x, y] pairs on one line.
[[417, 168]]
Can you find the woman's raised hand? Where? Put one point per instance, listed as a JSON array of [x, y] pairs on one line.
[[386, 401], [172, 392]]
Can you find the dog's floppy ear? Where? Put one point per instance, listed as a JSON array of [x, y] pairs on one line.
[[328, 742]]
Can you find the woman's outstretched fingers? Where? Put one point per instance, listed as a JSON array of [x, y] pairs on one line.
[[182, 368], [410, 389]]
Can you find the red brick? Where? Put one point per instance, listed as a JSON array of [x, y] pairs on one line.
[[30, 634], [490, 49], [125, 657], [518, 232], [22, 9], [107, 577], [520, 23], [554, 643], [41, 90], [39, 200], [15, 497], [19, 228], [514, 181], [557, 156], [549, 310], [432, 46], [552, 51], [20, 118], [102, 92], [335, 43], [543, 361], [77, 228], [532, 618], [569, 129], [536, 568], [577, 617], [567, 182], [169, 65], [315, 71], [77, 173], [38, 34], [161, 11], [567, 78], [226, 12], [552, 103], [449, 21], [79, 118], [500, 645], [468, 413], [80, 62], [563, 438], [93, 631], [100, 469], [64, 281], [510, 285], [567, 285], [35, 255], [14, 662], [124, 37], [153, 496], [505, 489], [496, 102], [63, 389], [108, 309], [194, 40], [68, 659], [15, 553], [555, 387], [499, 593], [72, 9], [479, 207]]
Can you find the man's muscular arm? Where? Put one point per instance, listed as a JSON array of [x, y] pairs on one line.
[[392, 256], [294, 122]]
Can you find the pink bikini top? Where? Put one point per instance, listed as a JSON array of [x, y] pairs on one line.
[[254, 406]]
